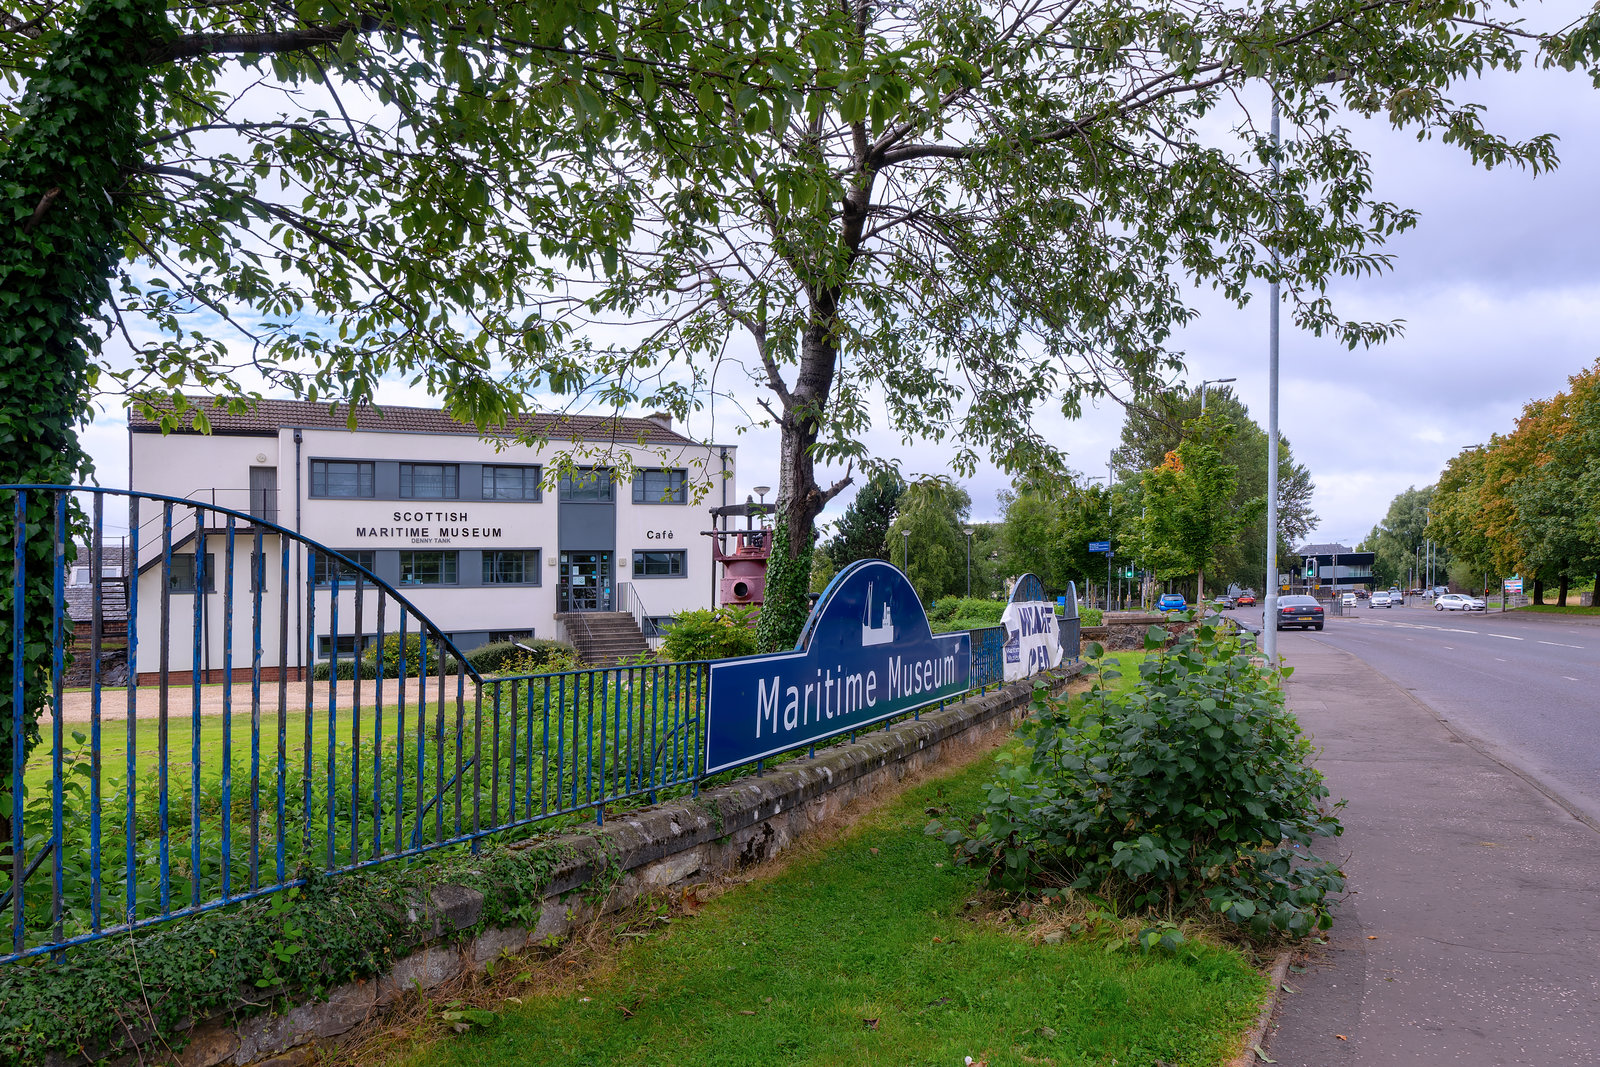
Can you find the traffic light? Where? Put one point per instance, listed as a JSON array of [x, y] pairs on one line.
[[1128, 573], [1311, 568]]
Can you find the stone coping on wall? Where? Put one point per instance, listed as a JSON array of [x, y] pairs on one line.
[[649, 850]]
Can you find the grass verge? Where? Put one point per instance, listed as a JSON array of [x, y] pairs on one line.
[[875, 950], [1552, 609]]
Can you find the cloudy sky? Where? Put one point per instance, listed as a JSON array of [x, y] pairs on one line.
[[1499, 288]]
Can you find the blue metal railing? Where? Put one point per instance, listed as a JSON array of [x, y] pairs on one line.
[[389, 746]]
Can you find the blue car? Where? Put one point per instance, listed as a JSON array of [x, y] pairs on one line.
[[1172, 602]]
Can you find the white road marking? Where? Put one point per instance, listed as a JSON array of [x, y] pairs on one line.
[[1506, 637], [1558, 644], [1569, 677]]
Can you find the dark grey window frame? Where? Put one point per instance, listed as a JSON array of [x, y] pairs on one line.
[[347, 577], [455, 566], [366, 479], [681, 555], [530, 571], [569, 490], [186, 583], [497, 636], [530, 472], [449, 480], [674, 491]]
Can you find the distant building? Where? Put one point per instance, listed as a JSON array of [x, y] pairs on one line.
[[1333, 567], [475, 532]]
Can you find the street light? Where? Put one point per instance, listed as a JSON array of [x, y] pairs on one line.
[[1211, 381], [1269, 610], [968, 532]]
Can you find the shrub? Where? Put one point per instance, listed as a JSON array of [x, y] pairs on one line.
[[717, 633], [987, 612], [413, 656], [347, 669], [1090, 616], [542, 656], [1189, 790], [500, 657]]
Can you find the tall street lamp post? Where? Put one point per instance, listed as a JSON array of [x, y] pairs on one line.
[[968, 532], [1269, 610]]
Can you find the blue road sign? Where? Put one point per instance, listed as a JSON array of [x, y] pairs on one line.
[[1099, 546], [867, 653]]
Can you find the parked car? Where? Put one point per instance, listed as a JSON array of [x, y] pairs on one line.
[[1457, 602], [1439, 590], [1247, 599], [1380, 599], [1301, 611], [1223, 602], [1172, 602]]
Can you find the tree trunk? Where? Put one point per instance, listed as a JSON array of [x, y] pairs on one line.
[[800, 498], [1538, 590], [1561, 590]]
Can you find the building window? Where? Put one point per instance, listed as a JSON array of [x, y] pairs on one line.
[[589, 484], [658, 564], [181, 578], [349, 645], [518, 567], [511, 483], [341, 478], [499, 636], [430, 481], [427, 568], [658, 625], [323, 569], [657, 486]]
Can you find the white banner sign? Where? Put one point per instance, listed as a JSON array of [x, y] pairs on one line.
[[1033, 638]]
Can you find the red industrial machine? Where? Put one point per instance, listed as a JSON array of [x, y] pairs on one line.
[[742, 553]]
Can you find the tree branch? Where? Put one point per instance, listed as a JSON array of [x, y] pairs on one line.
[[209, 44]]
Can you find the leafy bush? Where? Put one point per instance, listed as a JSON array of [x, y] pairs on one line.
[[716, 633], [542, 657], [1090, 616], [987, 612], [413, 657], [1188, 790], [347, 669]]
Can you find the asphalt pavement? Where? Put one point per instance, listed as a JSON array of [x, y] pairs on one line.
[[1469, 933]]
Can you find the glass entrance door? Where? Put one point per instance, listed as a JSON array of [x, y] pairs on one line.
[[585, 582]]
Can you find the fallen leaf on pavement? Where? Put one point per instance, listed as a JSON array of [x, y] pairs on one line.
[[1262, 1055], [1341, 1037]]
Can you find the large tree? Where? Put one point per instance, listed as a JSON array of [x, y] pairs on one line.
[[982, 210], [1189, 511], [319, 194], [862, 532], [1157, 425], [928, 536]]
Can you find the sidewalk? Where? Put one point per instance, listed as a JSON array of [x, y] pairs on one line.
[[1469, 934], [78, 706]]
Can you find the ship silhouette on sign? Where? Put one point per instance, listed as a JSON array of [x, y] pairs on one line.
[[881, 633]]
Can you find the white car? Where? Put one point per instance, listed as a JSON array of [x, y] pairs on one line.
[[1457, 602], [1380, 600]]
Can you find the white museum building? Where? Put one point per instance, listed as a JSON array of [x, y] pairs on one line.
[[490, 539]]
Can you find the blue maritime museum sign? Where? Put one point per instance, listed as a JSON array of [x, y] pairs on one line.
[[866, 654]]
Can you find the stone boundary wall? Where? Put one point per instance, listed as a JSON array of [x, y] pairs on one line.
[[678, 843], [1124, 631]]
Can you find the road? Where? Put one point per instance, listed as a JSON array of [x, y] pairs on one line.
[[1524, 687]]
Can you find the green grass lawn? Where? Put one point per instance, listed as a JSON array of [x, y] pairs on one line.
[[1551, 609], [864, 953], [114, 742]]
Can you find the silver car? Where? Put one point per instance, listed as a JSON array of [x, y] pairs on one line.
[[1457, 602], [1380, 600]]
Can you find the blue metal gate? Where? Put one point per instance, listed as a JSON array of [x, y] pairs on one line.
[[232, 735], [228, 708]]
